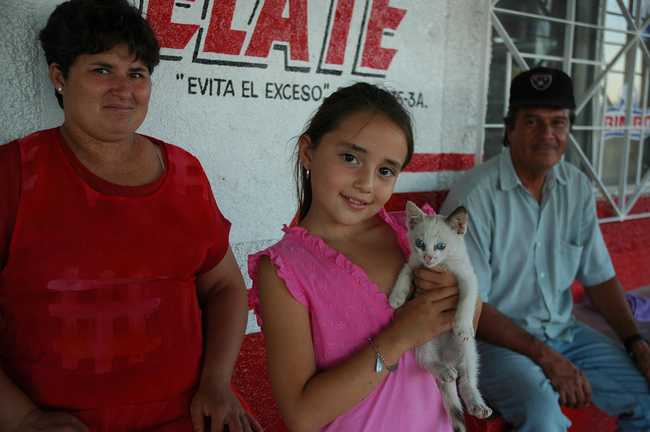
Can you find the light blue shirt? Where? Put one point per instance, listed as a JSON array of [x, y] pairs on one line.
[[525, 254]]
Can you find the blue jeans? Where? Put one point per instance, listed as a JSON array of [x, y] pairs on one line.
[[517, 388]]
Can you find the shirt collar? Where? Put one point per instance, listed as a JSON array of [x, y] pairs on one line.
[[509, 179]]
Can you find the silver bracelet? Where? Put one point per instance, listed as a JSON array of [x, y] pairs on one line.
[[381, 361]]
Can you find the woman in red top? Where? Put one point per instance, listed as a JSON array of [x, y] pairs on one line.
[[122, 306]]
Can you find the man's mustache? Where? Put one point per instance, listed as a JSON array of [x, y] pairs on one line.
[[537, 146]]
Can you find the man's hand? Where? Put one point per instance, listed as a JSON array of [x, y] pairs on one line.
[[51, 421], [566, 378], [641, 355], [610, 301], [224, 409]]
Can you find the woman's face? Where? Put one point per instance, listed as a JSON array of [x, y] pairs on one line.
[[105, 96]]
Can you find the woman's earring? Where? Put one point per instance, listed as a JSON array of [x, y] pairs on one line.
[[307, 175], [60, 89]]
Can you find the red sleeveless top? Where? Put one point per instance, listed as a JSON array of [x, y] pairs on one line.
[[98, 307]]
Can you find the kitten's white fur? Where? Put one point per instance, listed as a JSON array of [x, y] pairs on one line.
[[452, 354]]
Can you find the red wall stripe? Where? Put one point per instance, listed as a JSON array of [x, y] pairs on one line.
[[434, 162], [397, 202]]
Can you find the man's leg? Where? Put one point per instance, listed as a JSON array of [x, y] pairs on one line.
[[618, 387], [516, 387]]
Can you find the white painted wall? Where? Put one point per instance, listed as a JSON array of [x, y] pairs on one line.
[[245, 144]]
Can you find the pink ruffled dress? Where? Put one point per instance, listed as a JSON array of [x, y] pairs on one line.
[[345, 309]]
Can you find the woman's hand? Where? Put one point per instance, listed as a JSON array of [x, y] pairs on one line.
[[223, 407], [222, 297], [51, 421]]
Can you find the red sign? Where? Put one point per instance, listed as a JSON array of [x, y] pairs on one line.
[[280, 25]]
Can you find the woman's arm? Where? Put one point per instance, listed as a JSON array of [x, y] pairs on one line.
[[14, 404], [18, 413], [222, 297], [309, 400]]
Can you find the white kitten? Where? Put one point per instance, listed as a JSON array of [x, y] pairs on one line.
[[437, 240]]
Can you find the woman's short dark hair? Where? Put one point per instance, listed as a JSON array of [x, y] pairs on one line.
[[346, 101], [94, 26]]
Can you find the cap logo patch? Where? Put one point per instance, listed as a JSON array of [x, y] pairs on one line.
[[541, 81]]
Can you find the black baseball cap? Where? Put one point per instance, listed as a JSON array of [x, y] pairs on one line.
[[542, 87]]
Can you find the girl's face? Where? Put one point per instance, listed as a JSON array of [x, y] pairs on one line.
[[354, 168]]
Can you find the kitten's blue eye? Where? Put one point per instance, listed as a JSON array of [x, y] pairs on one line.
[[419, 243], [441, 246]]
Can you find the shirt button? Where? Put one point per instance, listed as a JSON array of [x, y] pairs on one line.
[[542, 274], [539, 244]]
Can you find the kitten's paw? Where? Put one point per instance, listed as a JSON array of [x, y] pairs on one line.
[[480, 411], [448, 374], [396, 302], [464, 333]]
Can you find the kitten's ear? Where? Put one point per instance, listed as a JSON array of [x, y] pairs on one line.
[[413, 215], [457, 220]]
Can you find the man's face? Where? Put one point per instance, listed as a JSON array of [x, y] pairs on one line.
[[538, 139]]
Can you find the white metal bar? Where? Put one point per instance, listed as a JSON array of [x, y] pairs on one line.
[[496, 23], [625, 159], [559, 20], [628, 217], [601, 135], [508, 80], [626, 14], [598, 180], [644, 109], [644, 25], [592, 89], [568, 39], [641, 187]]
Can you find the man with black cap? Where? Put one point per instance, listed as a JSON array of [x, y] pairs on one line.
[[532, 230]]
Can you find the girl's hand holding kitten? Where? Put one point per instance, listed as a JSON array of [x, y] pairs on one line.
[[425, 317], [437, 277]]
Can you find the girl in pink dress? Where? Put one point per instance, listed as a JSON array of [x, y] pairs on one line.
[[339, 357]]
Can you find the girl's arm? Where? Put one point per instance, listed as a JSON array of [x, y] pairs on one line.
[[222, 297], [309, 400]]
